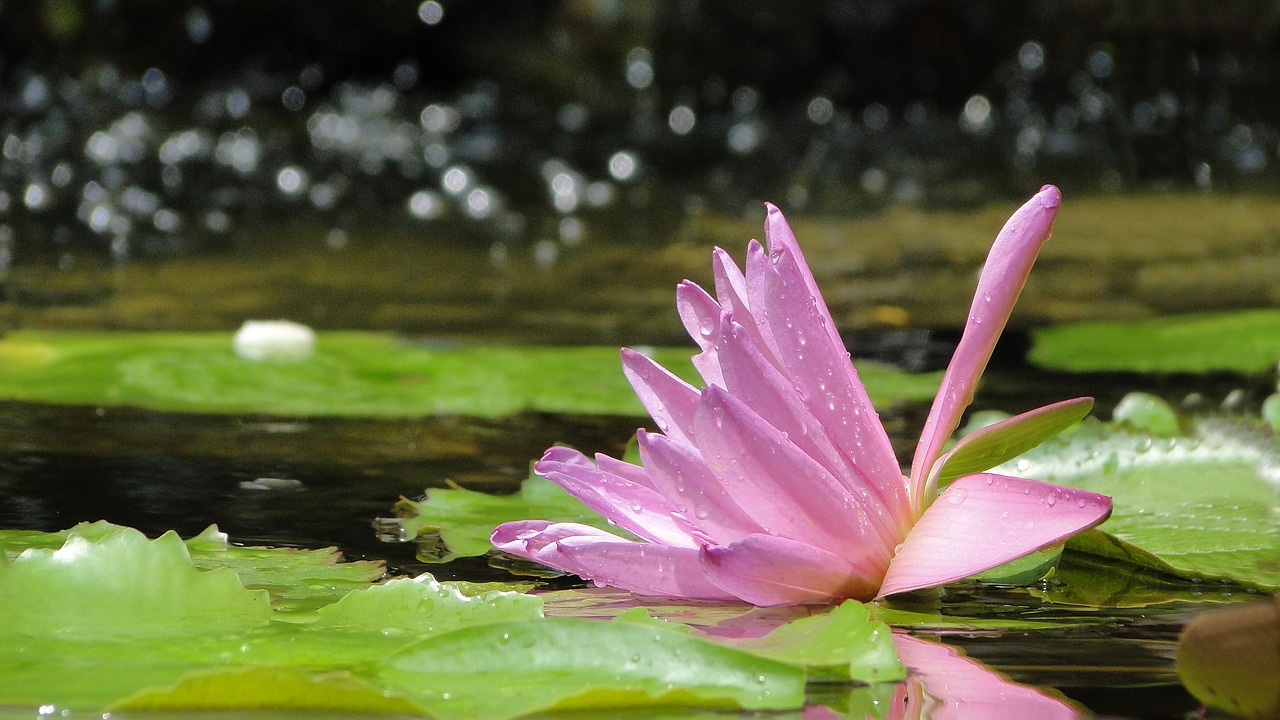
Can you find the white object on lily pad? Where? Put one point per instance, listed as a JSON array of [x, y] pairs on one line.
[[274, 340]]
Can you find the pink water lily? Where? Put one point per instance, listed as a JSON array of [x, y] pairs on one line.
[[776, 483]]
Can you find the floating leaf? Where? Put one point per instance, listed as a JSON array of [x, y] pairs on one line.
[[846, 637], [351, 374], [465, 518], [268, 687], [1203, 506], [296, 578], [510, 669], [122, 583], [1244, 341], [124, 622], [423, 606]]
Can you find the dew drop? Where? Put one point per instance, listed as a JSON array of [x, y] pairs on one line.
[[701, 512], [955, 497]]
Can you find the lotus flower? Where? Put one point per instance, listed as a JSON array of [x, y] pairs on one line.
[[777, 484]]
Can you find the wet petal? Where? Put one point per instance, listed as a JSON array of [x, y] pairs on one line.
[[752, 379], [594, 554], [781, 239], [999, 285], [984, 520], [784, 490], [758, 271], [624, 470], [731, 291], [768, 570], [635, 508], [817, 363], [682, 476], [701, 315], [670, 401]]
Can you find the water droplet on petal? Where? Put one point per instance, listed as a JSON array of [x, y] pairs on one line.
[[955, 497]]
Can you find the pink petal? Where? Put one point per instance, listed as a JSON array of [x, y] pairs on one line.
[[635, 508], [768, 570], [965, 690], [758, 271], [752, 379], [781, 488], [678, 471], [625, 470], [699, 312], [731, 291], [985, 520], [817, 363], [594, 554], [782, 240], [671, 402], [701, 316], [999, 285], [731, 284]]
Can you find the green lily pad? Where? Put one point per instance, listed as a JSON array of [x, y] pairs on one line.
[[296, 578], [846, 637], [509, 669], [123, 622], [1243, 341], [1203, 506], [465, 519], [351, 374], [268, 687]]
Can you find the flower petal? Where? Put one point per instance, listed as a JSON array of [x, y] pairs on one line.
[[671, 402], [732, 293], [635, 508], [769, 570], [679, 472], [594, 554], [781, 239], [752, 379], [999, 285], [985, 520], [815, 359], [701, 316], [781, 488]]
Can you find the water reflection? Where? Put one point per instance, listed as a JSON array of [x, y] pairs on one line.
[[945, 685]]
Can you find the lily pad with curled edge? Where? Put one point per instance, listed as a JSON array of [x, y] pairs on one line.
[[1203, 506], [351, 374], [296, 578]]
